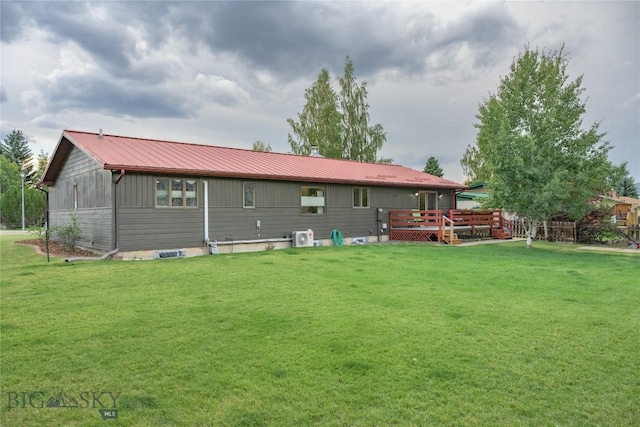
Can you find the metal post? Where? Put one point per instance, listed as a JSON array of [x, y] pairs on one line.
[[22, 174]]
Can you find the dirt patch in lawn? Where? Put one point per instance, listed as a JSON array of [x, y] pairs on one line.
[[56, 249]]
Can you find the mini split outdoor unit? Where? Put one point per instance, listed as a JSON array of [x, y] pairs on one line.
[[302, 238]]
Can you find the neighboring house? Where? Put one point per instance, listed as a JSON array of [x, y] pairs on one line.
[[471, 197], [142, 195], [623, 208]]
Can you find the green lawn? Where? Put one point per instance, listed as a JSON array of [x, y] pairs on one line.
[[373, 335]]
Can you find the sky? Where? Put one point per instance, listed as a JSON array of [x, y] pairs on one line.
[[232, 73]]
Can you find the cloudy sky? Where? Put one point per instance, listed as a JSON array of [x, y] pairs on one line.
[[231, 73]]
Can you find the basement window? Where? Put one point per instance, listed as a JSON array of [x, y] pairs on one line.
[[176, 193], [312, 200]]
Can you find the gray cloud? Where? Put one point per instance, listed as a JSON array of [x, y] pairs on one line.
[[291, 39], [12, 20], [99, 94], [198, 61]]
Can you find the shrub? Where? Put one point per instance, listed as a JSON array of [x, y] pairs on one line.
[[70, 234], [594, 227], [38, 233]]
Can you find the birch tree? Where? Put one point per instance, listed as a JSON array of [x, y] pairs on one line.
[[541, 161], [319, 124], [361, 141], [338, 123]]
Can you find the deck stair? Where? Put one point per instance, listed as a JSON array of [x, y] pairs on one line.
[[448, 240], [501, 234]]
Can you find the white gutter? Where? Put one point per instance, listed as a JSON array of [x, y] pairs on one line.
[[205, 185]]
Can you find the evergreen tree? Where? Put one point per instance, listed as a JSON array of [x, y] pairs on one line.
[[16, 148], [433, 167], [626, 187], [622, 182]]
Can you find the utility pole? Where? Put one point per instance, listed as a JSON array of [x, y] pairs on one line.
[[22, 175]]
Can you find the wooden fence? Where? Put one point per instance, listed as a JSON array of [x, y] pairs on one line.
[[559, 231]]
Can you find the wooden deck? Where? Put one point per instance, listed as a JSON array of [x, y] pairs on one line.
[[415, 225], [434, 226]]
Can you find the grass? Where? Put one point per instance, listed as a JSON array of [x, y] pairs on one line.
[[331, 336]]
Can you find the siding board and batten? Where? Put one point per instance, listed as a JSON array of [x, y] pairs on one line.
[[115, 178]]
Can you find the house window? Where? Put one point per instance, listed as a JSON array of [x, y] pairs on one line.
[[191, 194], [75, 196], [360, 197], [312, 200], [176, 193], [248, 195]]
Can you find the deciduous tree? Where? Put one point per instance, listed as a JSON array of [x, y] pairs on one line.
[[361, 140], [261, 146], [43, 161], [541, 161], [338, 124], [9, 174], [319, 124], [34, 206]]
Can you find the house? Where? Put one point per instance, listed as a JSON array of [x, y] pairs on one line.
[[472, 197], [624, 208], [144, 196]]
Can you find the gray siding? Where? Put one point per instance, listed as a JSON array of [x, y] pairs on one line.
[[142, 226], [94, 200]]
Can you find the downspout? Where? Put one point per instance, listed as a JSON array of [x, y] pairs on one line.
[[120, 176], [205, 189], [115, 210], [212, 247]]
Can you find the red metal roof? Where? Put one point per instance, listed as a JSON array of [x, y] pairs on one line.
[[167, 157]]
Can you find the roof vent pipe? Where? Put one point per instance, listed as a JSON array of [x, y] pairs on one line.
[[315, 151], [100, 134]]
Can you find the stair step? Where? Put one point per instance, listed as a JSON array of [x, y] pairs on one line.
[[499, 234], [454, 241]]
